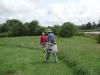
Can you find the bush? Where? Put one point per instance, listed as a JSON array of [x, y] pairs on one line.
[[3, 34], [98, 39], [56, 29], [6, 34], [68, 30], [80, 34]]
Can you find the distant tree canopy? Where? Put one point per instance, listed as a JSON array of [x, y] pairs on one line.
[[98, 25], [15, 27], [3, 28], [90, 26], [68, 30], [33, 27], [56, 29]]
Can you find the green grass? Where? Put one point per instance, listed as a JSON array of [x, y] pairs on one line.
[[15, 60], [23, 56], [81, 54]]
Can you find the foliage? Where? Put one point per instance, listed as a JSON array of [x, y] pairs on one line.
[[88, 25], [94, 25], [98, 25], [56, 29], [6, 34], [17, 28], [79, 34], [83, 27], [33, 27], [3, 28], [3, 34], [98, 39], [68, 30]]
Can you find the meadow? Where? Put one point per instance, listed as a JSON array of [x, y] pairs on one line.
[[24, 56]]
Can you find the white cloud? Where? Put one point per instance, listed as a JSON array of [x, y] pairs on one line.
[[50, 12], [16, 5]]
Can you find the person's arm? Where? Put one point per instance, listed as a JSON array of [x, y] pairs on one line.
[[46, 38]]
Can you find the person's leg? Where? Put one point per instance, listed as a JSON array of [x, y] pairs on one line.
[[43, 47], [47, 56], [55, 57]]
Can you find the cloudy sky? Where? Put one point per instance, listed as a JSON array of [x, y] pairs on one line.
[[50, 12]]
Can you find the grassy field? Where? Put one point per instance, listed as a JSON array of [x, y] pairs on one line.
[[81, 54], [23, 56]]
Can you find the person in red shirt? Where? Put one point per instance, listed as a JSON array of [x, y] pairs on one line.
[[43, 40]]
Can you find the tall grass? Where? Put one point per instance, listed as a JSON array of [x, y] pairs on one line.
[[81, 54], [22, 56]]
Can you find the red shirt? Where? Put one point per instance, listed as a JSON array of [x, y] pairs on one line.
[[43, 39]]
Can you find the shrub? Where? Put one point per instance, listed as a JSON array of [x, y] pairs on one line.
[[6, 34], [80, 34], [98, 39], [68, 30], [3, 34]]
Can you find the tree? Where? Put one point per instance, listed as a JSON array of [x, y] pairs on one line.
[[98, 25], [40, 30], [98, 39], [0, 28], [83, 26], [26, 30], [89, 25], [68, 30], [56, 29], [33, 27], [16, 27], [94, 24], [4, 28]]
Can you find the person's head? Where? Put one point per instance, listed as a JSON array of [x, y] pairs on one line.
[[43, 33], [49, 31]]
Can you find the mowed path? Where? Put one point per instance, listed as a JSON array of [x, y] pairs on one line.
[[27, 61]]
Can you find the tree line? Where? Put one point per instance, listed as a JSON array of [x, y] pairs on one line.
[[15, 27], [90, 25]]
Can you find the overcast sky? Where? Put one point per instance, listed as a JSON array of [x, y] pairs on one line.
[[50, 12]]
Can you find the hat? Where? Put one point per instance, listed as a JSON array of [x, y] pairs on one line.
[[43, 33], [49, 30]]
